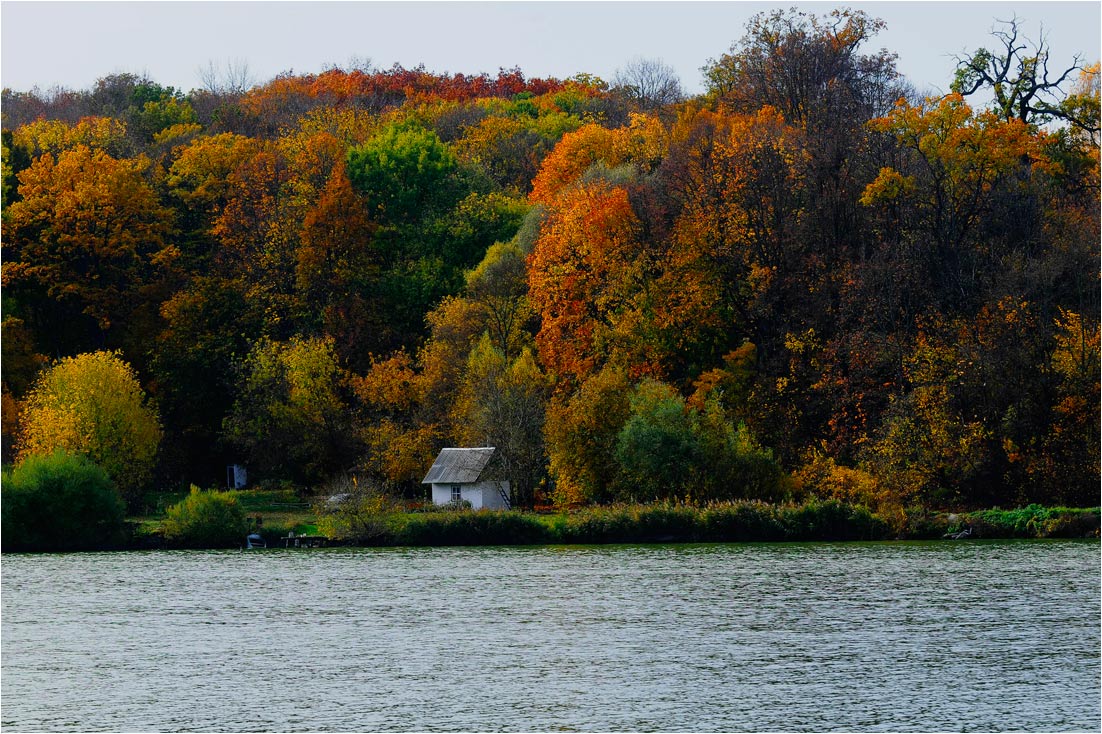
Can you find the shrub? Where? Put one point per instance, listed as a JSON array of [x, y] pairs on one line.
[[1031, 521], [206, 519], [60, 502], [360, 516]]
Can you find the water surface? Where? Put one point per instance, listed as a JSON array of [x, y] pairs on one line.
[[968, 636]]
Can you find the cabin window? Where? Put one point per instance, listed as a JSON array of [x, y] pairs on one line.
[[457, 493]]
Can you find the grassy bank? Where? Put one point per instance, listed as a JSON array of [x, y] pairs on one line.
[[729, 522], [274, 514]]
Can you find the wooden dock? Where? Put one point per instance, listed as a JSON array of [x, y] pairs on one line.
[[305, 541]]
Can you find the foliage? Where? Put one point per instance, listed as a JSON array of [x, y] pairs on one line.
[[93, 405], [86, 239], [401, 171], [361, 515], [206, 519], [582, 432], [1031, 521], [630, 294], [60, 502], [290, 418], [656, 449], [501, 404]]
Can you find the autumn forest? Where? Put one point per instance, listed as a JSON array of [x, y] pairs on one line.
[[808, 281]]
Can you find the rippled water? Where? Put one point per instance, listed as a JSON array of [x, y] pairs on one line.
[[891, 636]]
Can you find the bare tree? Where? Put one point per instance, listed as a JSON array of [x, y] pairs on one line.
[[649, 83], [355, 62], [232, 78], [1017, 73]]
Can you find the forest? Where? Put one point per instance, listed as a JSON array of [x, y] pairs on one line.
[[807, 281]]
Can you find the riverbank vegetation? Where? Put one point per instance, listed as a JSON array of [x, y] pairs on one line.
[[222, 519], [811, 286]]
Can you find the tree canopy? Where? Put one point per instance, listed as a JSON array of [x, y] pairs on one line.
[[808, 280]]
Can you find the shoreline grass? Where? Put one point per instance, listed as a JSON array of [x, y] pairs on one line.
[[727, 522]]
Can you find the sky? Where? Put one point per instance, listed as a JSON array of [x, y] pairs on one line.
[[49, 44]]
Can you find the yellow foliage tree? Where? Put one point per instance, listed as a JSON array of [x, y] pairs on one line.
[[93, 405]]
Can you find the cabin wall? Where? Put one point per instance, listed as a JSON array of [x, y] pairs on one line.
[[481, 495], [491, 494]]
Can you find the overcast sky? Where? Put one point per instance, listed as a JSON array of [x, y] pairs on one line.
[[71, 44]]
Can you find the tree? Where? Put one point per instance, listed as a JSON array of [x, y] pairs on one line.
[[670, 449], [403, 171], [499, 285], [806, 66], [1017, 74], [93, 405], [650, 84], [208, 326], [501, 403], [582, 275], [944, 199], [581, 431], [657, 449], [89, 235], [337, 272], [291, 416]]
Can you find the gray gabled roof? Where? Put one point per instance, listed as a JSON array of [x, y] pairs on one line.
[[458, 466]]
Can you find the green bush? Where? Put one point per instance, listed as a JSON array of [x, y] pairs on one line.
[[60, 502], [1031, 521], [209, 519]]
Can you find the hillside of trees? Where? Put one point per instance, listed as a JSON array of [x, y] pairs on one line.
[[807, 281]]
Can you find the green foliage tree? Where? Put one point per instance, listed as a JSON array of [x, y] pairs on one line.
[[670, 449], [93, 405], [403, 171], [60, 502], [657, 449]]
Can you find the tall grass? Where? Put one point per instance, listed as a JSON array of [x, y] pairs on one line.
[[672, 523]]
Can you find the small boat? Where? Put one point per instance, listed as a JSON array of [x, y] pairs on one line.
[[253, 540]]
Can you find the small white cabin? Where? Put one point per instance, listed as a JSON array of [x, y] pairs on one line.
[[459, 475]]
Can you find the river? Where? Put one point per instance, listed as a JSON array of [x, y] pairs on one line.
[[954, 636]]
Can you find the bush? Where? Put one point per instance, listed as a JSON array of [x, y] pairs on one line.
[[1031, 521], [60, 502], [363, 516], [209, 519]]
